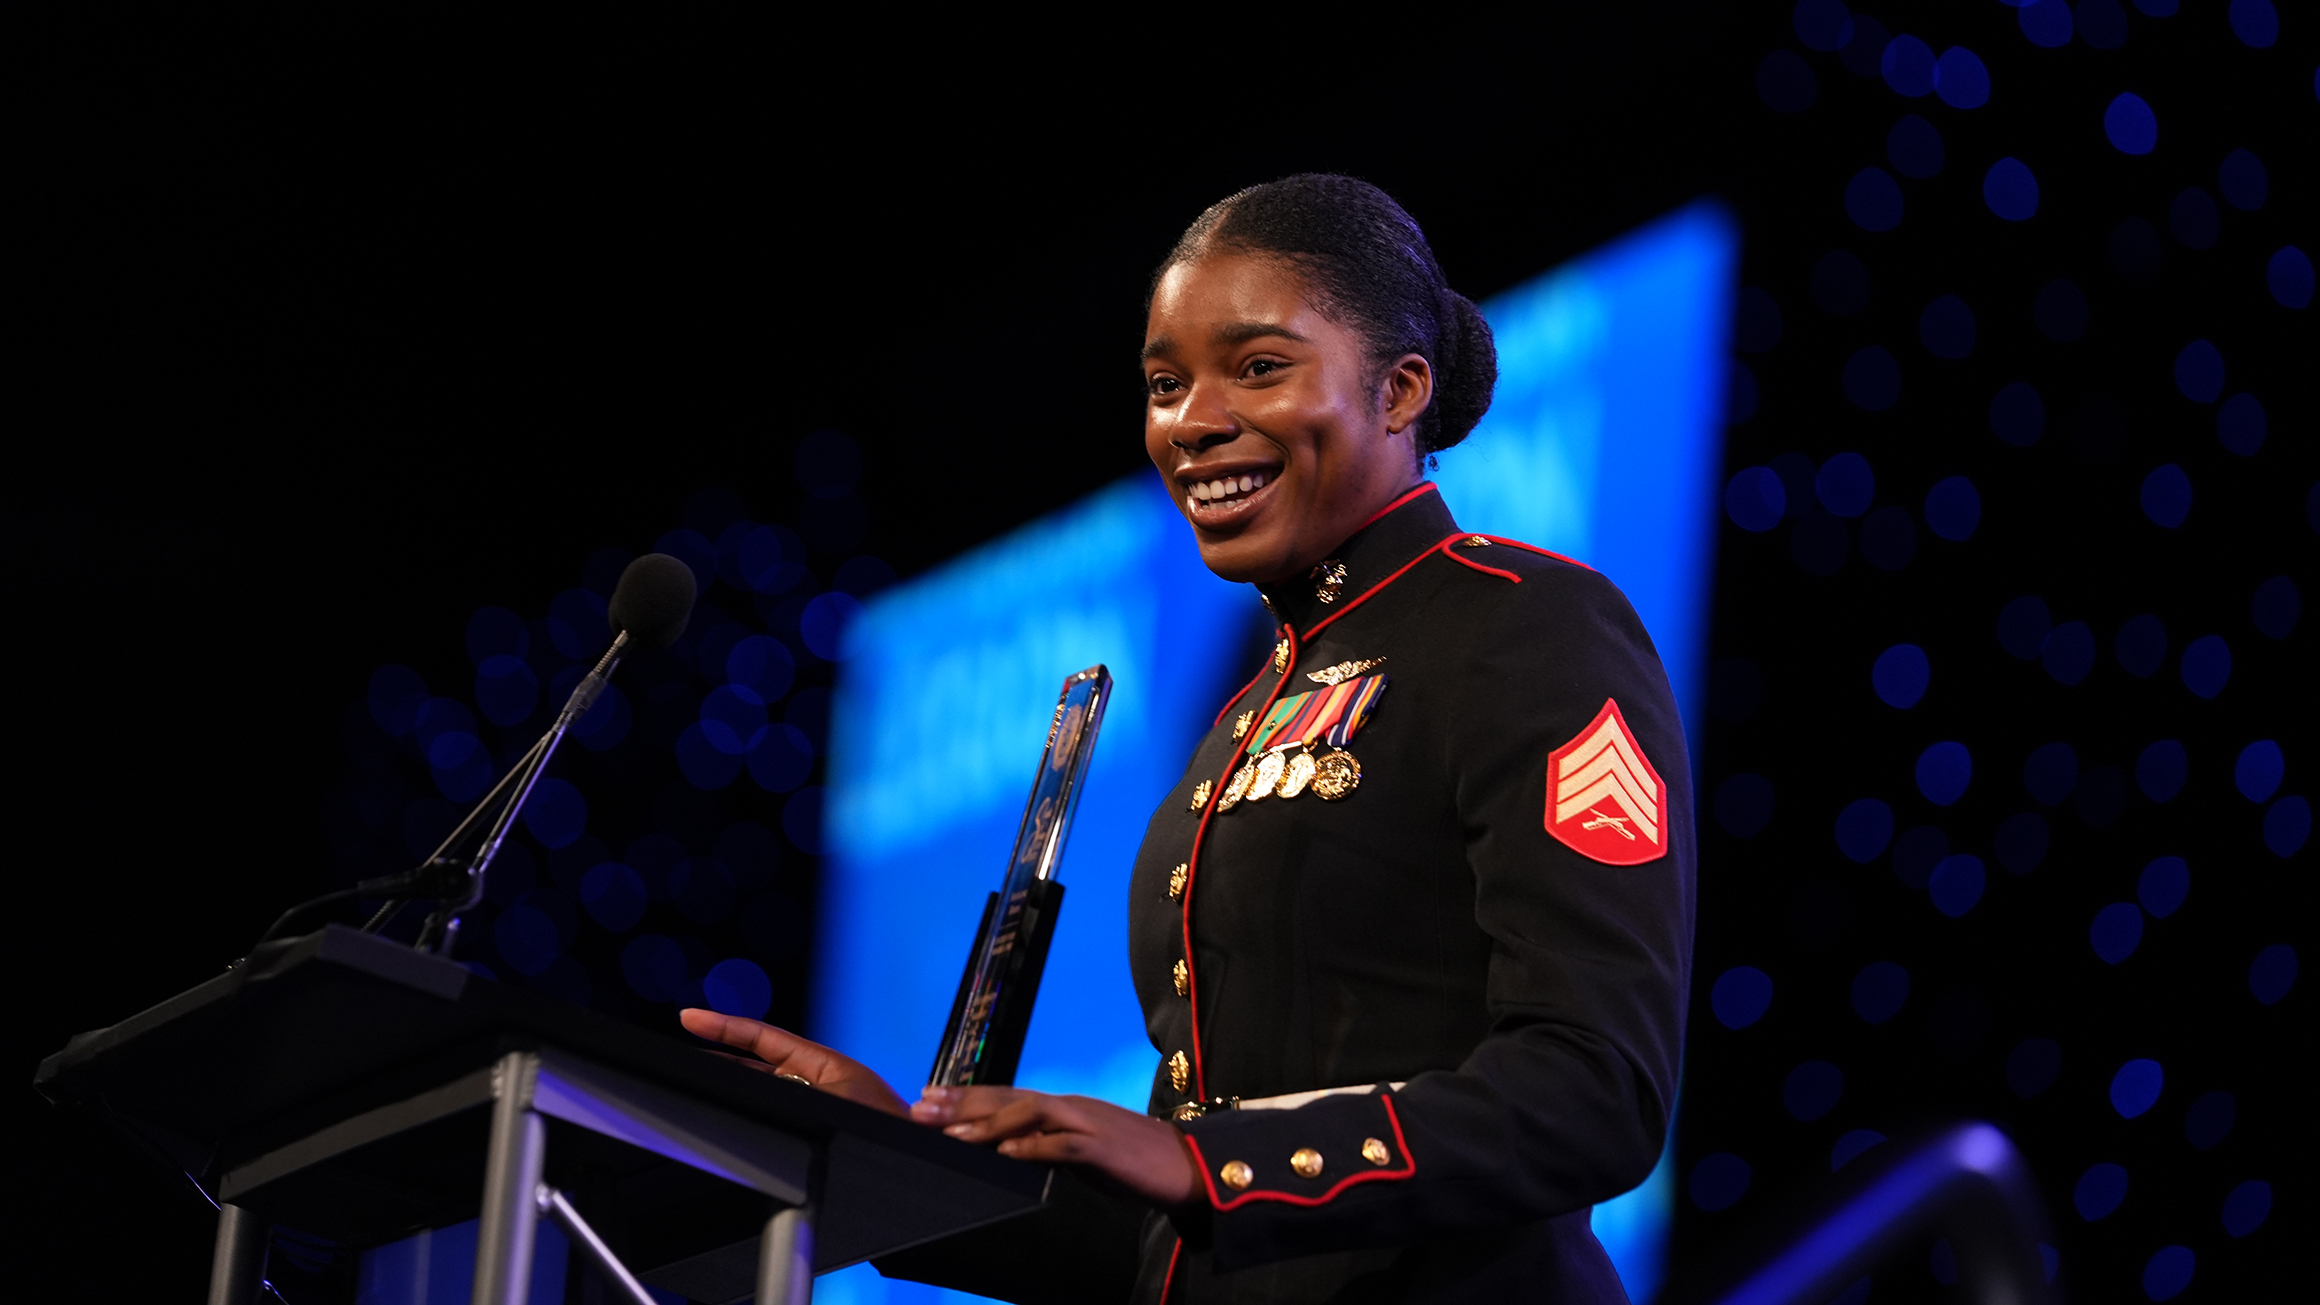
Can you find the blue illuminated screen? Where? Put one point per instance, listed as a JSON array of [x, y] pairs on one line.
[[1603, 443]]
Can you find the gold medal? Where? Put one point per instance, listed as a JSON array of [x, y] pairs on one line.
[[1336, 775], [1268, 775], [1298, 774], [1237, 787]]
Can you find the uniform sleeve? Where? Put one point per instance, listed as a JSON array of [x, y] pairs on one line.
[[1566, 1101]]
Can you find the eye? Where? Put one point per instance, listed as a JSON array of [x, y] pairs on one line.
[[1262, 367], [1162, 384]]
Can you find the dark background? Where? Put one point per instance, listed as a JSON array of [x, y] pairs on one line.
[[329, 337]]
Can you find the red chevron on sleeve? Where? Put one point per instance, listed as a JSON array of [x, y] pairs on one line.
[[1604, 799]]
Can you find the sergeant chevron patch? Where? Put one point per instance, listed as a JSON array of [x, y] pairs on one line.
[[1604, 799]]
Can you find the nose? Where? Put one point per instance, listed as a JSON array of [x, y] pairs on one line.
[[1203, 420]]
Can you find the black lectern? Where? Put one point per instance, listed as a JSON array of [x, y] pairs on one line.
[[358, 1091]]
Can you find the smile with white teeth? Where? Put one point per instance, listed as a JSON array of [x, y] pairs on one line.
[[1223, 491]]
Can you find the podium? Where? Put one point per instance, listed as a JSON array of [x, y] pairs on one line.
[[360, 1092]]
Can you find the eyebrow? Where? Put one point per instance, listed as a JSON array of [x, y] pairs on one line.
[[1232, 333]]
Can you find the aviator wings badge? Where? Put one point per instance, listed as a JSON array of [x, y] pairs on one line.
[[1604, 799]]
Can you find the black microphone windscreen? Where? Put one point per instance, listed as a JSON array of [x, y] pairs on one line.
[[653, 600]]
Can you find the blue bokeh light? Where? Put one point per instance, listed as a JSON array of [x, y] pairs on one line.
[[2168, 1272], [2135, 1088], [556, 813], [2022, 626], [737, 987], [1864, 827], [506, 689], [1907, 66], [577, 624], [2287, 825], [1740, 996], [2289, 277], [768, 559], [2166, 496], [1744, 804], [2032, 1066], [2060, 311], [2199, 372], [1873, 200], [1879, 991], [614, 896], [2131, 125], [2141, 645], [2276, 607], [2246, 1208], [1961, 79], [1785, 82], [2046, 23], [2068, 652], [1872, 379], [2258, 771], [2021, 842], [1914, 147], [526, 938], [2018, 415], [1864, 52], [2255, 22], [1719, 1180], [1845, 485], [2241, 425], [1956, 884], [733, 719], [705, 765], [1755, 499], [1953, 509], [2099, 1191], [2163, 886], [1944, 771], [2206, 667], [2244, 182], [2010, 188], [2116, 932], [1850, 1147], [1823, 25], [2051, 773], [2272, 974], [1840, 283], [824, 623], [2209, 1120], [1947, 328], [1901, 674], [2101, 23], [760, 667], [1812, 1090], [2162, 769]]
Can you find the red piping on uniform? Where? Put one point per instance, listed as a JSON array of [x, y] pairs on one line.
[[1409, 1167], [1449, 552], [1534, 548], [1323, 624], [1170, 1280], [1192, 865], [1423, 486]]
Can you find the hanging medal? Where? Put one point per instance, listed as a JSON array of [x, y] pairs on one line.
[[1339, 772], [1280, 749]]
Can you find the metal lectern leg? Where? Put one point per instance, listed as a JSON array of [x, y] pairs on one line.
[[240, 1259], [511, 1181], [785, 1260]]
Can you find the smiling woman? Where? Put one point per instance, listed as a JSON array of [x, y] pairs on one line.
[[1415, 1011]]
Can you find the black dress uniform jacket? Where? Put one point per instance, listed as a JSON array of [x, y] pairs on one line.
[[1514, 1004]]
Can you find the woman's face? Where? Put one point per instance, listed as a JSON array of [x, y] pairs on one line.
[[1268, 419]]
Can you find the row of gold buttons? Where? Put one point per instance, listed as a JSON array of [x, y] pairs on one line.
[[1305, 1162]]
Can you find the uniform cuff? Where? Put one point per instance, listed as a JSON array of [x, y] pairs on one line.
[[1307, 1156]]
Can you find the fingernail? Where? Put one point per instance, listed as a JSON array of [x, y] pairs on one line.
[[1007, 1147], [959, 1130]]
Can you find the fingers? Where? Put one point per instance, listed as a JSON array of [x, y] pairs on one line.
[[779, 1048]]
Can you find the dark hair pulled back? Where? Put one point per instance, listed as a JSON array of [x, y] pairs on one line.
[[1369, 267]]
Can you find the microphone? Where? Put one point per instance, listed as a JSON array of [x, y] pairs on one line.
[[649, 609]]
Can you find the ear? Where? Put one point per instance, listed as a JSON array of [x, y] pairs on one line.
[[1405, 390]]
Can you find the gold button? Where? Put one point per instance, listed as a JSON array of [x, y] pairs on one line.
[[1200, 794], [1237, 1175], [1306, 1161], [1179, 1071], [1375, 1151], [1177, 878], [1241, 726], [1281, 655], [1477, 541], [1183, 980]]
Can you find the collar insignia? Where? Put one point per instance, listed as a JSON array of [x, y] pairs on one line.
[[1343, 671]]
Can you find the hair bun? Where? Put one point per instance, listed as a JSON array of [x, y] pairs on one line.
[[1464, 376]]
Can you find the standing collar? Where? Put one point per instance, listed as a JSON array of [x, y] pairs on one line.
[[1385, 544]]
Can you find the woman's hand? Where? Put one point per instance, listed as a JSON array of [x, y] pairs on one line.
[[1147, 1156], [785, 1053]]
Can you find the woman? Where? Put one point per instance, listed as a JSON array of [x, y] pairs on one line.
[[1414, 960]]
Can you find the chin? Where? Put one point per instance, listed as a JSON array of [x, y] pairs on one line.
[[1243, 560]]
